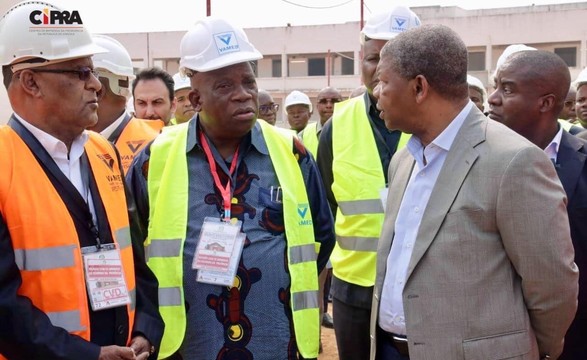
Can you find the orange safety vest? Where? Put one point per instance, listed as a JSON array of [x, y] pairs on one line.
[[134, 137], [43, 234], [157, 125]]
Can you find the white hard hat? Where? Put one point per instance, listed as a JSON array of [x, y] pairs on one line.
[[115, 65], [581, 79], [509, 51], [214, 43], [181, 82], [297, 97], [27, 33], [476, 83], [387, 25]]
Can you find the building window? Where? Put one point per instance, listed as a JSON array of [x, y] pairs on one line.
[[568, 54], [276, 67], [347, 66], [476, 61], [316, 67]]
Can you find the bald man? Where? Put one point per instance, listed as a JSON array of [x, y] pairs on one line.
[[531, 89]]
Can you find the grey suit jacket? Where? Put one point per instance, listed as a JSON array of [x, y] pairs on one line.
[[492, 273]]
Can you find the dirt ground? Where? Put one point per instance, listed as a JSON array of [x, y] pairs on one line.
[[329, 351]]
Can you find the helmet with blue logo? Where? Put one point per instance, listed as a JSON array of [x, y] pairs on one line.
[[28, 37], [387, 25], [214, 43]]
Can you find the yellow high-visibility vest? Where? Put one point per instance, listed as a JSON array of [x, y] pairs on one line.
[[168, 194], [358, 179]]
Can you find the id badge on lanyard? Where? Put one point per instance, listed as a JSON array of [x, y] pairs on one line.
[[104, 275], [218, 252]]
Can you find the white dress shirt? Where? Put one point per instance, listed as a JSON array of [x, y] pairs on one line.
[[413, 205], [68, 163], [110, 129], [552, 149]]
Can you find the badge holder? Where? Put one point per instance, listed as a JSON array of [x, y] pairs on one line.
[[218, 251], [104, 275]]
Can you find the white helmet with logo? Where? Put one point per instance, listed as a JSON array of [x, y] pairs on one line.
[[581, 79], [387, 25], [297, 97], [28, 32], [214, 43], [115, 65], [181, 82]]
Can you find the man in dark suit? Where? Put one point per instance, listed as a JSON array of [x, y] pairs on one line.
[[531, 87]]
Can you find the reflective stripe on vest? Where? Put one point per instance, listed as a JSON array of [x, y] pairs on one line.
[[167, 230], [69, 320], [134, 137], [358, 179], [309, 137], [170, 199], [50, 266]]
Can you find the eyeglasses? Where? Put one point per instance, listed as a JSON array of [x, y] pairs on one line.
[[268, 108], [332, 101], [83, 73]]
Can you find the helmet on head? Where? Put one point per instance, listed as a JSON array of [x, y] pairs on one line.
[[476, 83], [297, 97], [181, 82], [114, 65], [28, 40], [214, 43], [581, 79], [387, 25], [509, 51]]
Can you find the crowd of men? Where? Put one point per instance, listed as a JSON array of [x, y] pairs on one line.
[[444, 223]]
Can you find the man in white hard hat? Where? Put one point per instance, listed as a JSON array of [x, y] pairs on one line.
[[530, 92], [74, 283], [298, 109], [154, 97], [466, 269], [354, 152], [221, 183], [477, 92], [128, 133], [184, 110]]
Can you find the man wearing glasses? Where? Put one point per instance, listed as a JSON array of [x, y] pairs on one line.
[[267, 107], [73, 283], [327, 97]]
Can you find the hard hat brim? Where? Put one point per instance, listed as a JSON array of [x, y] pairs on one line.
[[218, 63]]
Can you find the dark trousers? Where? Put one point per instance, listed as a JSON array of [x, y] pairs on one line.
[[327, 288], [351, 328], [385, 348]]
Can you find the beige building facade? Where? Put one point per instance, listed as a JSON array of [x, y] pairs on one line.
[[308, 58]]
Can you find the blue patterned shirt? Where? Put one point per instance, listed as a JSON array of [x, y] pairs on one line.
[[253, 319]]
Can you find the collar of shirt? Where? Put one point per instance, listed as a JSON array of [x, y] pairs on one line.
[[55, 147], [110, 129], [443, 141], [552, 149], [257, 140]]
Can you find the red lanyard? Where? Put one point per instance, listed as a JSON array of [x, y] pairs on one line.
[[225, 191]]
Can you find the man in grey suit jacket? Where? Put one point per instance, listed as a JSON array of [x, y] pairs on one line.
[[475, 259], [531, 88]]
